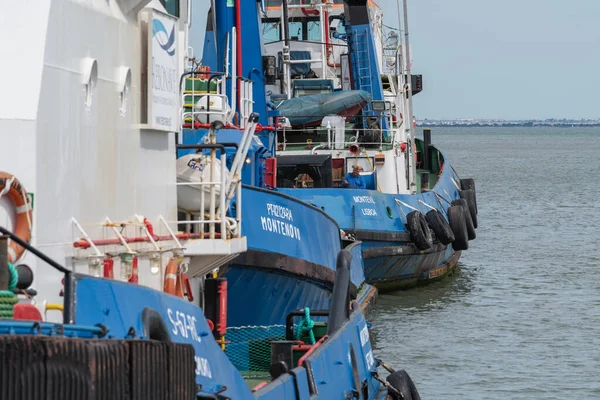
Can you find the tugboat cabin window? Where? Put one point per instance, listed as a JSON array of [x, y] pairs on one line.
[[300, 29], [314, 31], [172, 7], [271, 31], [296, 30]]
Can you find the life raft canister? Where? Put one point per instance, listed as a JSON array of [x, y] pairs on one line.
[[10, 185]]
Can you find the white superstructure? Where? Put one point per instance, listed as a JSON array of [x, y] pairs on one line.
[[316, 43], [89, 104]]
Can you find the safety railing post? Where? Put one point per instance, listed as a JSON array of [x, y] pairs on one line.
[[222, 195], [4, 273], [238, 209]]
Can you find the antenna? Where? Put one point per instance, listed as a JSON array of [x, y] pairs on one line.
[[408, 124]]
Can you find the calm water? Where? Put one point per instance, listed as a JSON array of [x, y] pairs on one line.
[[522, 318]]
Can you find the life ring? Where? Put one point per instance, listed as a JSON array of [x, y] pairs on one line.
[[439, 226], [419, 231], [171, 278], [17, 194], [309, 12]]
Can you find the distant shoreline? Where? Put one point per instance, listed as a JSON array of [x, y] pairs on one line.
[[453, 124]]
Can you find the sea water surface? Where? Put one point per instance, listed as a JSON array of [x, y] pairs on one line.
[[521, 320]]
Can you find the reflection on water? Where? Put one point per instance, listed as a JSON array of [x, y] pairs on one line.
[[426, 298], [420, 301]]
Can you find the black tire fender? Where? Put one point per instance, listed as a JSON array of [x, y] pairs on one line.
[[419, 230], [469, 196], [469, 183], [456, 218], [400, 380], [439, 226], [153, 326], [470, 228]]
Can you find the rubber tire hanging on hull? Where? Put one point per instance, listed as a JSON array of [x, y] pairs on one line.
[[419, 230], [469, 196], [469, 183], [470, 228], [400, 380], [153, 326], [457, 219], [439, 226]]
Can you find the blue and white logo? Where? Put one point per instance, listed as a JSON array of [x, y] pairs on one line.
[[165, 40]]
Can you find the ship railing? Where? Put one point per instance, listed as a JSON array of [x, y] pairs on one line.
[[208, 115], [112, 249], [230, 227], [327, 137], [218, 107], [246, 102]]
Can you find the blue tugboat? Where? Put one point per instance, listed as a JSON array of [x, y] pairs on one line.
[[289, 261], [123, 340], [346, 140]]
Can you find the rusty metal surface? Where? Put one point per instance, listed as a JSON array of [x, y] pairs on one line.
[[34, 367]]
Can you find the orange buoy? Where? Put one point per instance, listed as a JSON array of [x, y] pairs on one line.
[[179, 285], [17, 194], [171, 278]]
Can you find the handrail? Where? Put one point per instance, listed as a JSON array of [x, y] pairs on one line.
[[69, 306], [218, 146], [212, 74], [32, 249], [314, 144], [224, 189]]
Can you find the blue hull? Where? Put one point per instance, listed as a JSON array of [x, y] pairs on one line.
[[389, 272], [118, 315], [112, 311], [259, 297], [266, 282], [379, 221]]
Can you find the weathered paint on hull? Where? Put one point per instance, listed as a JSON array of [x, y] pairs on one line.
[[265, 297], [367, 298], [397, 272]]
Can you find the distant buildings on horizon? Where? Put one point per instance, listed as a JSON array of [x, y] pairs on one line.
[[474, 122]]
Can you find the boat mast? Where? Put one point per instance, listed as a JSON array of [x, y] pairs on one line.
[[286, 49], [408, 125]]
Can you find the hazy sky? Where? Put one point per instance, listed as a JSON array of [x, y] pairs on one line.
[[513, 59], [510, 59]]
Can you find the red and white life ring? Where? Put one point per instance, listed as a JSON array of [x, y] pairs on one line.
[[10, 185]]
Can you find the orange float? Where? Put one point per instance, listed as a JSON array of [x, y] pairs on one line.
[[171, 275], [10, 185]]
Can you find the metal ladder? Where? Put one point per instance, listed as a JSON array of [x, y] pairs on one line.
[[363, 61]]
